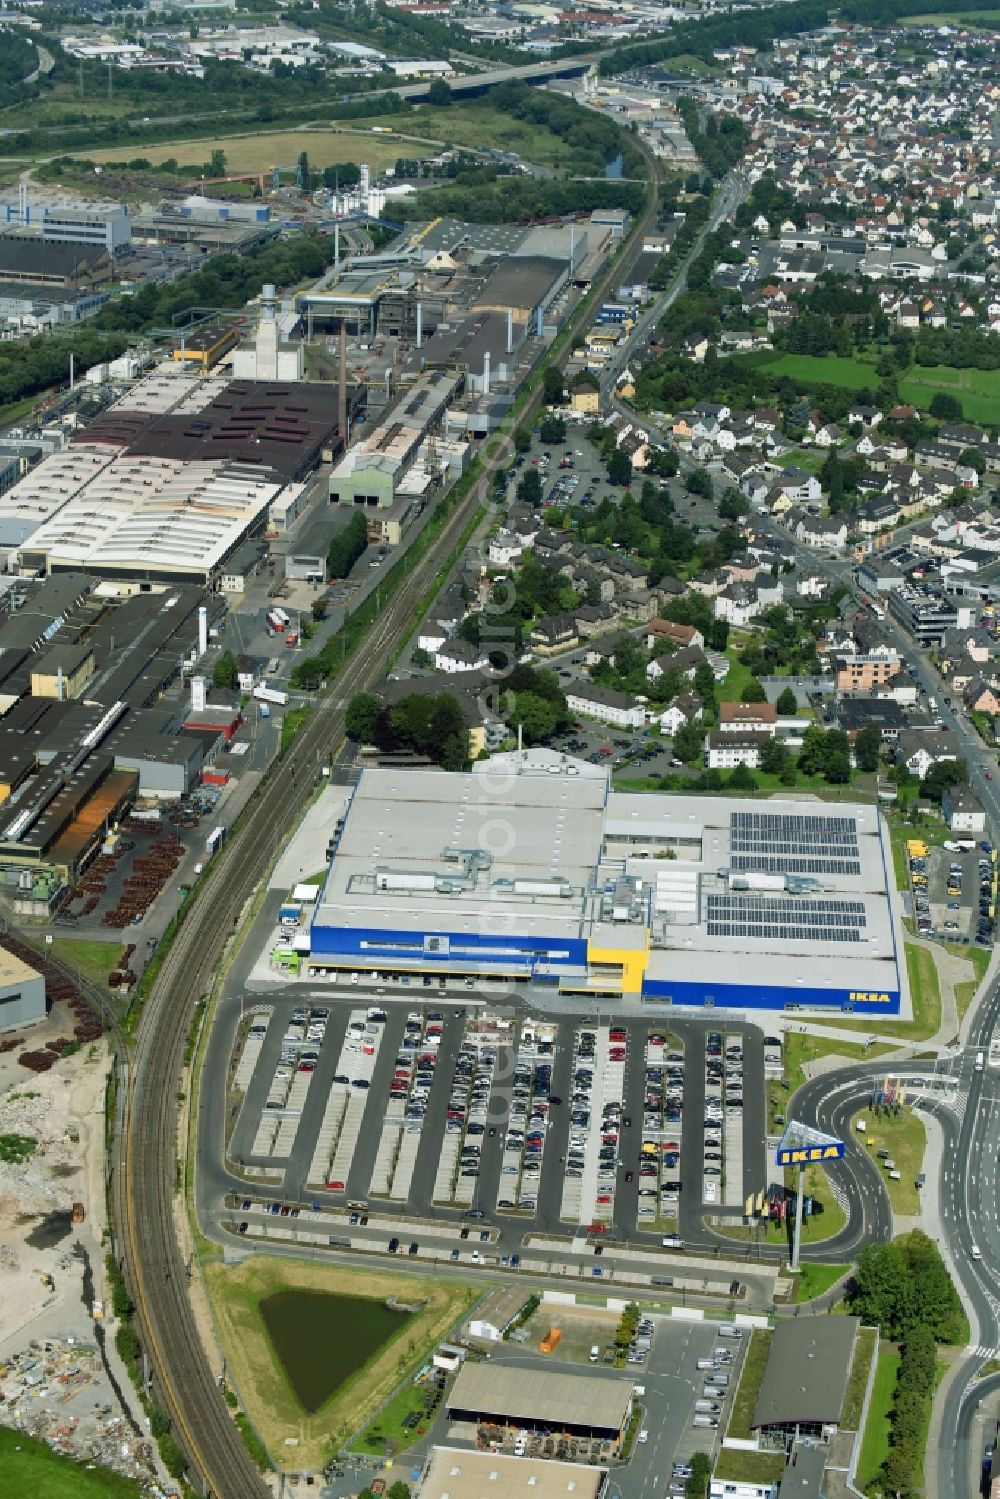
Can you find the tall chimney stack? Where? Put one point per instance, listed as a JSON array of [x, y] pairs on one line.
[[486, 373], [342, 390], [420, 324], [202, 630], [510, 330]]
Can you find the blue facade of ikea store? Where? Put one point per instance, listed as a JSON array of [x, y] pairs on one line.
[[707, 994], [465, 952]]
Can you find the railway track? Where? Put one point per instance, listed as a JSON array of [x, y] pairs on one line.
[[145, 1181]]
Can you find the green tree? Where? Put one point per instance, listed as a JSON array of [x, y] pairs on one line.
[[787, 704], [742, 778], [696, 1483], [361, 717], [699, 481], [537, 716], [619, 468], [753, 692], [941, 776], [347, 547], [688, 742], [552, 429], [225, 672], [774, 757], [882, 1290], [439, 94], [553, 386], [868, 747], [946, 407], [529, 487]]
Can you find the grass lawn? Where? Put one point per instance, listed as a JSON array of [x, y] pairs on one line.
[[900, 833], [925, 999], [733, 1466], [978, 390], [387, 1434], [814, 369], [815, 1279], [93, 959], [29, 1467], [811, 459], [292, 723], [260, 1379], [904, 1137], [864, 1351], [875, 1443], [988, 19], [259, 152], [965, 992], [750, 1382]]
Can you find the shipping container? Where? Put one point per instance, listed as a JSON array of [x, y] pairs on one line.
[[265, 694], [278, 621], [214, 840]]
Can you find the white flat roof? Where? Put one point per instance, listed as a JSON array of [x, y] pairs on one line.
[[789, 892]]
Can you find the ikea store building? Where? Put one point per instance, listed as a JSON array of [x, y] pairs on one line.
[[531, 870]]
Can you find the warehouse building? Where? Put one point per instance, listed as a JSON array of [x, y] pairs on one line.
[[805, 1382], [455, 1473], [580, 1405], [22, 993], [531, 869], [170, 481]]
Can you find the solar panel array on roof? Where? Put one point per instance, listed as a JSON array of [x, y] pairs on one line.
[[786, 919], [793, 844]]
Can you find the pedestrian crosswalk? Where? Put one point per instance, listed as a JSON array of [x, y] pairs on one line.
[[982, 1351]]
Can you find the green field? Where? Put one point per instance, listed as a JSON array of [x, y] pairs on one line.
[[813, 369], [875, 1444], [864, 1350], [30, 1468], [470, 125], [750, 1381], [904, 1137], [978, 390], [92, 959], [815, 1279], [988, 19]]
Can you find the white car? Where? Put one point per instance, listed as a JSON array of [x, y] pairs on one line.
[[643, 1435], [976, 1252]]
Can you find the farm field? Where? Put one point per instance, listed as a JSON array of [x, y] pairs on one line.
[[259, 153]]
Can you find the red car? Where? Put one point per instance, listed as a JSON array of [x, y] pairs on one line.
[[337, 1186]]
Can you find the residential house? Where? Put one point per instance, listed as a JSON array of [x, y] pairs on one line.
[[982, 697], [685, 708], [918, 750], [738, 718], [726, 751], [556, 633], [605, 704], [459, 655], [963, 812], [666, 629]]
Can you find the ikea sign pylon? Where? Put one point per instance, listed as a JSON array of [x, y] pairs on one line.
[[800, 1145]]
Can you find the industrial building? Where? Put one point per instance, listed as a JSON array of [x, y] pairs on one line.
[[541, 1400], [456, 1473], [532, 869], [106, 225], [805, 1382], [170, 481], [395, 459], [22, 993]]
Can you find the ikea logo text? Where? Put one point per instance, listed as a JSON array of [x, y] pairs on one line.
[[863, 997], [810, 1153]]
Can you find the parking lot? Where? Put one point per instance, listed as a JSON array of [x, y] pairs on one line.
[[525, 1122], [953, 890]]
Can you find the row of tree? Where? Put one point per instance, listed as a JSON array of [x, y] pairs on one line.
[[904, 1288], [347, 547]]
